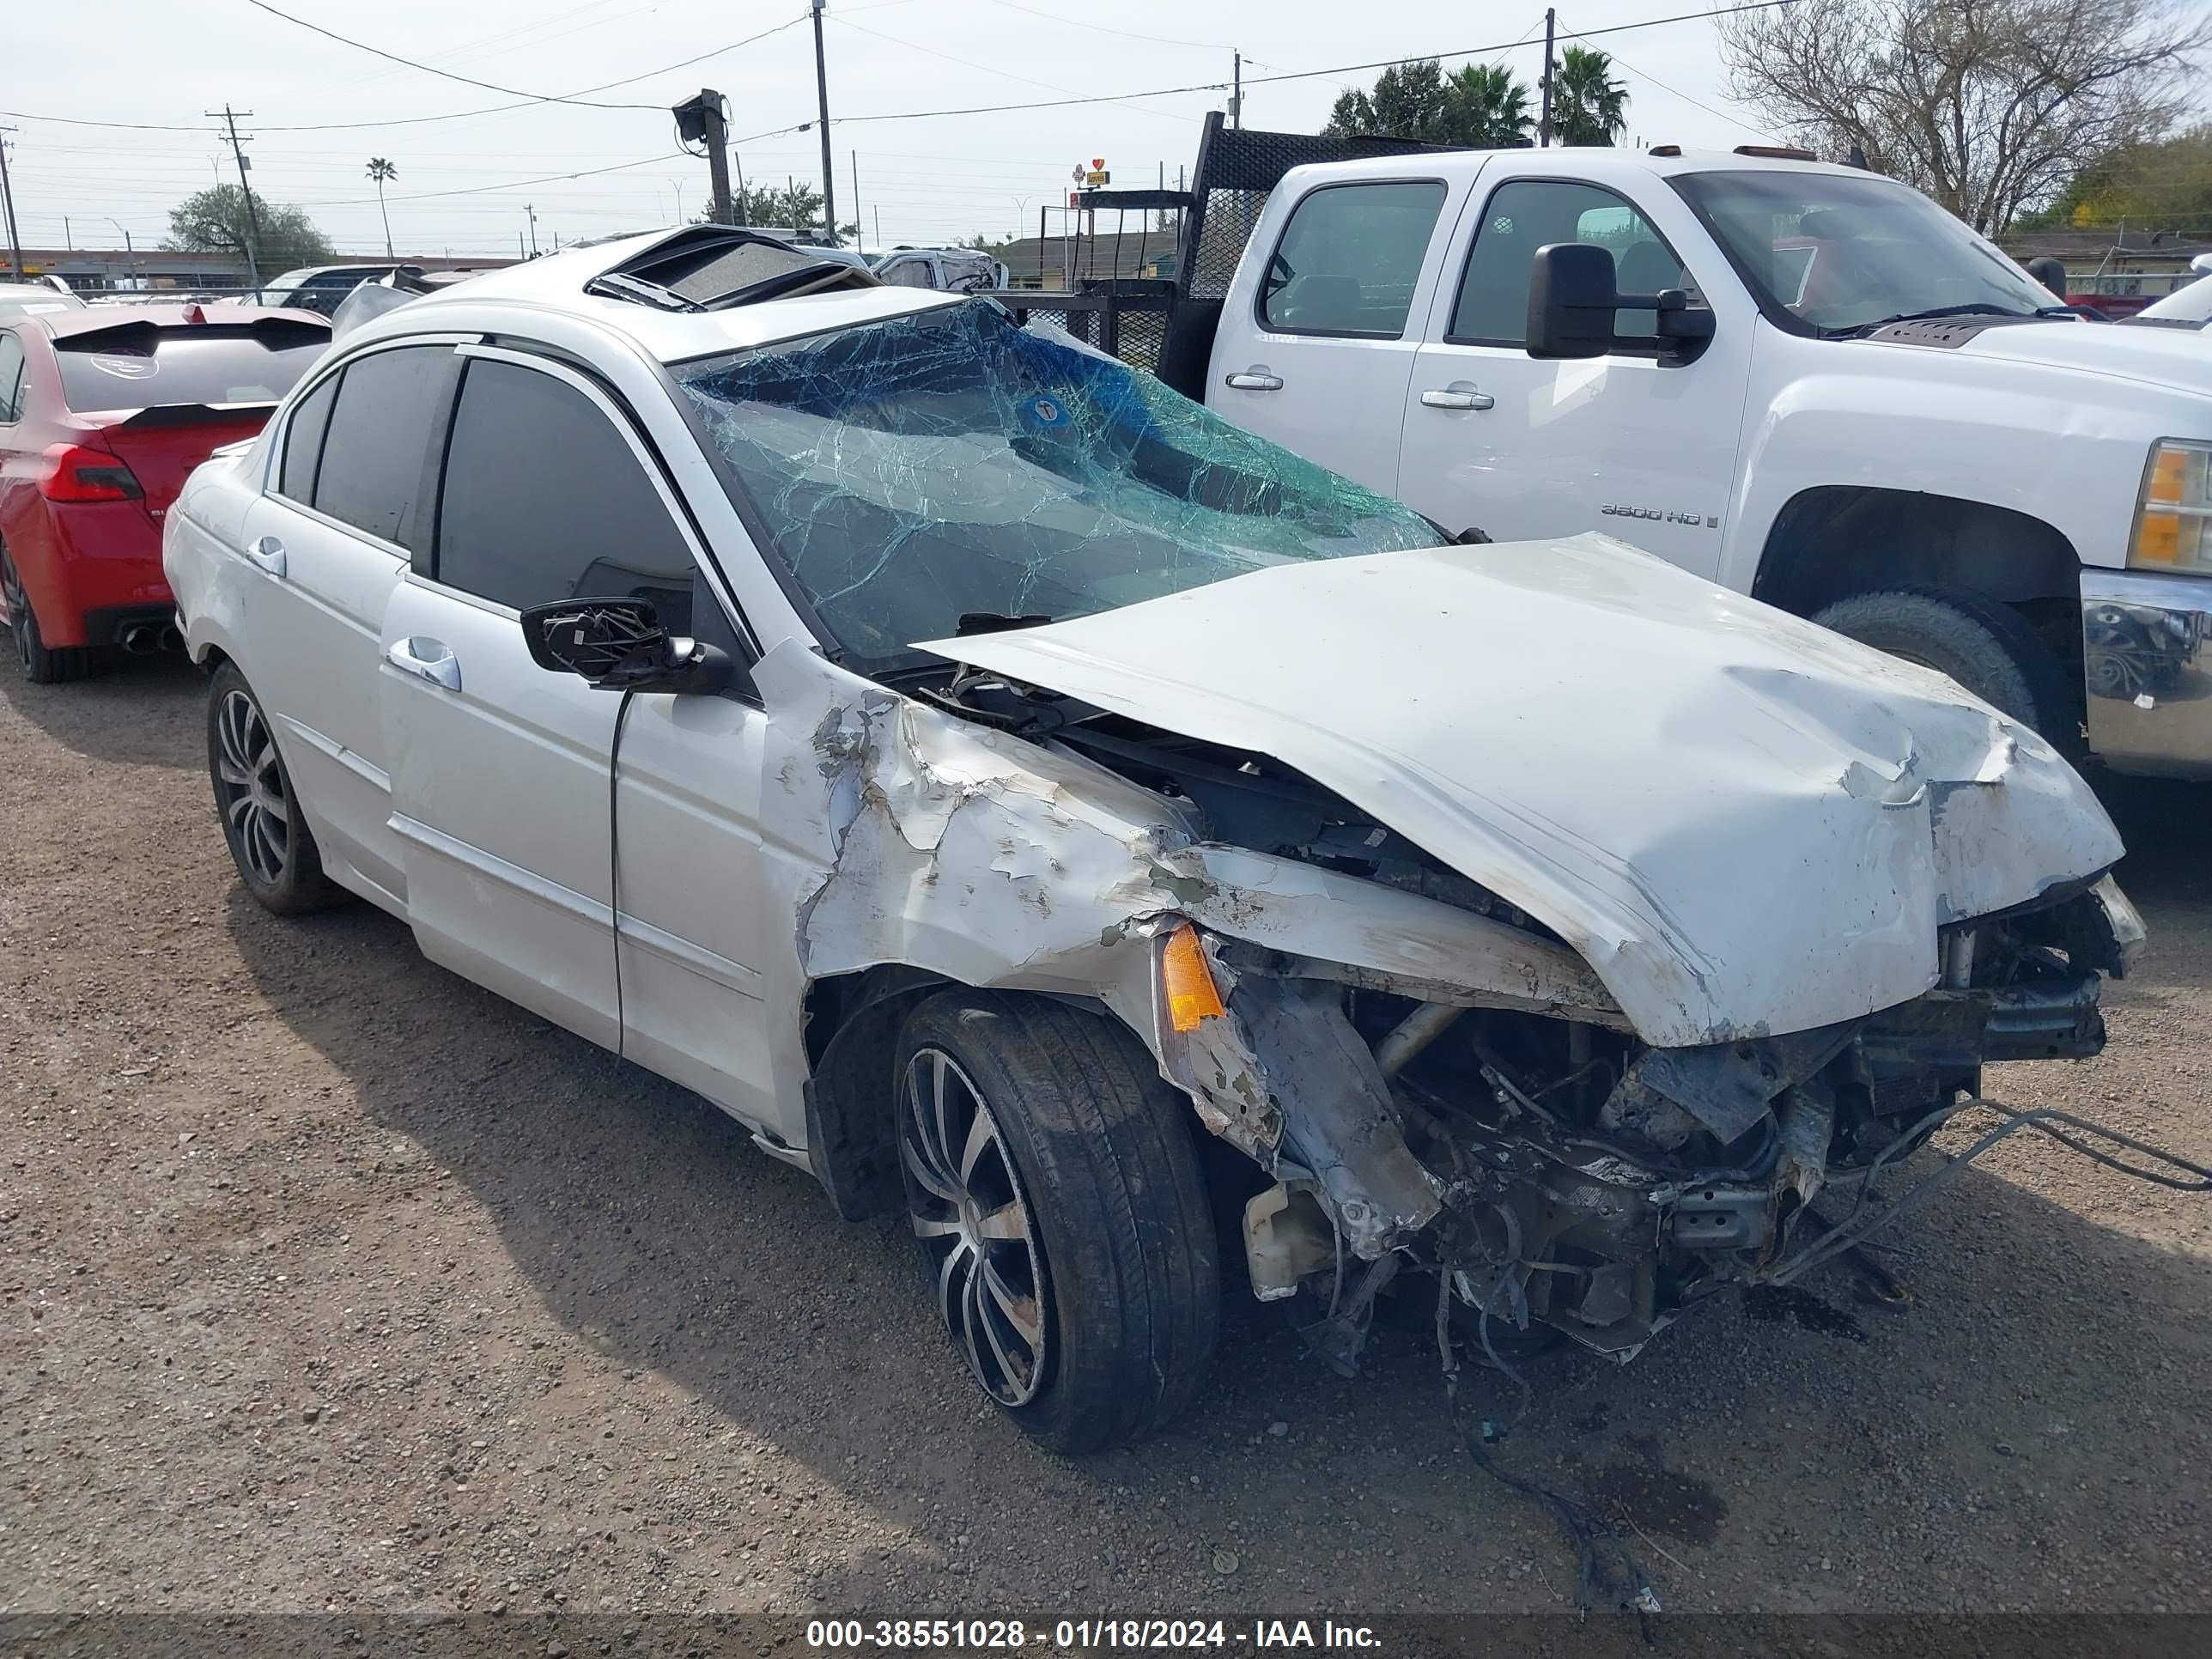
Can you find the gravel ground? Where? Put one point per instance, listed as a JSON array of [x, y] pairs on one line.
[[332, 1281]]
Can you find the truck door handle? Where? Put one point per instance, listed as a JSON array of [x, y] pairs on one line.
[[427, 660], [269, 553], [1457, 396], [1255, 378]]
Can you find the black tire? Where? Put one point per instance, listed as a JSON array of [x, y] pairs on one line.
[[41, 664], [269, 840], [1115, 1270], [1987, 647]]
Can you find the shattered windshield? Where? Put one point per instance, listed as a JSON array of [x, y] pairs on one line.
[[949, 464]]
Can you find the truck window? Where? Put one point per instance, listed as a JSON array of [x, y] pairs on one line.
[[1526, 214], [1348, 259]]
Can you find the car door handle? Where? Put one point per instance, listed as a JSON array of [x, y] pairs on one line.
[[1255, 378], [1457, 397], [426, 660], [269, 553]]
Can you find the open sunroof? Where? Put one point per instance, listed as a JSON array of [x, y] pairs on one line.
[[712, 267]]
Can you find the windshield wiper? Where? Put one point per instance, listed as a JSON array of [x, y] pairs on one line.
[[1979, 308]]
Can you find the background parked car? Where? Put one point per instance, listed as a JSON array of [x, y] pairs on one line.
[[2187, 307], [321, 288], [103, 415], [24, 299], [954, 269]]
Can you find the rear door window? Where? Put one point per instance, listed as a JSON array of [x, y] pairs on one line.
[[545, 500], [303, 442], [11, 378], [375, 473], [146, 365], [1349, 259]]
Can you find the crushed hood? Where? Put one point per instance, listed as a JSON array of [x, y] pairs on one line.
[[1745, 824]]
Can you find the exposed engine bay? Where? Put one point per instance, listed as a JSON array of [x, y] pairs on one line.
[[1554, 1168]]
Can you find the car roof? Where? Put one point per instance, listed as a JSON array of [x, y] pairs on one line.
[[304, 272], [1568, 161], [97, 318], [556, 282], [28, 292]]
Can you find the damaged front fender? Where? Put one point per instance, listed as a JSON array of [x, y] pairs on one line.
[[899, 834]]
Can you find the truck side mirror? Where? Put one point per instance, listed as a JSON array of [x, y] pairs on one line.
[[1572, 300]]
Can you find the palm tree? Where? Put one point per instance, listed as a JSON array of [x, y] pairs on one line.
[[379, 170], [1588, 107], [1486, 107]]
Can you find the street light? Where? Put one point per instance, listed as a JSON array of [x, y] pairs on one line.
[[128, 249]]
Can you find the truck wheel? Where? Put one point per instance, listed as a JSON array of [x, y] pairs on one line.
[[1054, 1189], [270, 840], [41, 664], [1985, 646]]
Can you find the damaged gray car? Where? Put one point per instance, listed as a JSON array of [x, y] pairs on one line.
[[1049, 813]]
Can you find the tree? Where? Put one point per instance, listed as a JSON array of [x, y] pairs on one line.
[[379, 171], [1588, 107], [2163, 186], [1489, 106], [796, 207], [215, 220], [1989, 105], [1482, 106]]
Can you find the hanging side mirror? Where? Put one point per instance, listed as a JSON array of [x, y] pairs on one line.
[[619, 645]]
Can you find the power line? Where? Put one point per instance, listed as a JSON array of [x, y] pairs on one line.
[[1301, 75], [447, 75], [1646, 74], [529, 102]]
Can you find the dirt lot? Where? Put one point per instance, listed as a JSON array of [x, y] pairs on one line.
[[330, 1280]]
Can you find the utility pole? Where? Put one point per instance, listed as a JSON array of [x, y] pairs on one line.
[[1544, 121], [533, 212], [1236, 89], [8, 201], [822, 101], [253, 219], [718, 156], [856, 203], [700, 121]]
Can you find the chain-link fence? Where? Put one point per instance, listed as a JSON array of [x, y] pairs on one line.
[[1129, 321]]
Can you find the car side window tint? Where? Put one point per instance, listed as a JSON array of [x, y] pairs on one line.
[[11, 378], [303, 442], [1525, 215], [376, 444], [545, 500], [1349, 259]]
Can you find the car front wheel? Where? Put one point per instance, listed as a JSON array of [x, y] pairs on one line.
[[270, 840], [1054, 1189]]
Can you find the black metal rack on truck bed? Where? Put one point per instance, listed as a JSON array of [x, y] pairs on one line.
[[1166, 324]]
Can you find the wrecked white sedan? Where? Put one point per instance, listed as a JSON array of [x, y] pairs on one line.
[[1033, 805]]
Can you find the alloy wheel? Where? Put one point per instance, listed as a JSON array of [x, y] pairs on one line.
[[969, 1209], [252, 785]]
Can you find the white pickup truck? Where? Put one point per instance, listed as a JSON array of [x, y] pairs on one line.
[[1806, 382]]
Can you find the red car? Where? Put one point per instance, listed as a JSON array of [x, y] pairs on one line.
[[104, 412]]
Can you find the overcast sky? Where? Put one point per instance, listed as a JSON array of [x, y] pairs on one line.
[[925, 180]]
